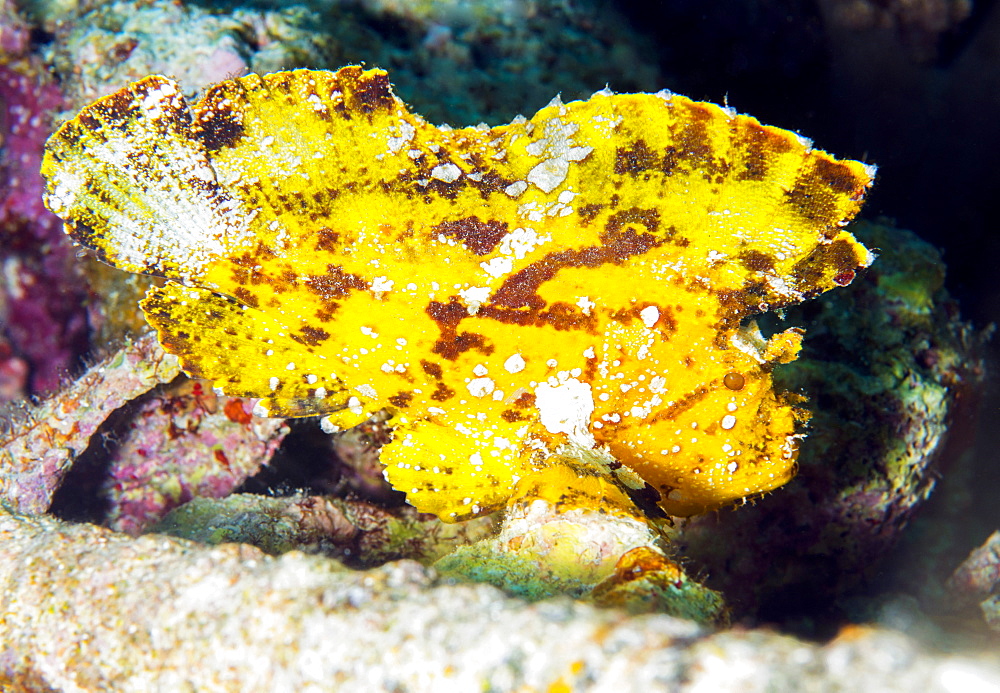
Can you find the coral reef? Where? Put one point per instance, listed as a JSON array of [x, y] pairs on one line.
[[464, 62], [143, 449], [15, 32], [177, 442], [488, 61], [111, 43], [43, 326], [567, 531], [88, 609], [890, 372], [41, 442], [355, 532], [977, 580]]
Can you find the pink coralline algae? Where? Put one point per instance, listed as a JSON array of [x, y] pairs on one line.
[[178, 443], [41, 443], [42, 294], [15, 33], [13, 372], [135, 449]]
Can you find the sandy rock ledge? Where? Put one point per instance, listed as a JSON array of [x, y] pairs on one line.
[[87, 609]]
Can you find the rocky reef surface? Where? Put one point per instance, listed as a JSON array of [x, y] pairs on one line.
[[154, 534], [97, 610]]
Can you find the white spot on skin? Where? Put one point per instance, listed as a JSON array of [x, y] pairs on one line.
[[273, 383], [515, 189], [649, 315], [382, 284], [549, 174], [531, 211], [448, 173], [475, 297], [585, 304], [502, 443], [290, 366], [728, 421], [406, 132], [514, 364], [153, 101], [521, 241], [480, 370], [480, 387], [781, 288], [643, 351], [498, 266], [367, 391], [567, 408], [557, 148]]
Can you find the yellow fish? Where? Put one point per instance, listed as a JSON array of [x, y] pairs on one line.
[[577, 281]]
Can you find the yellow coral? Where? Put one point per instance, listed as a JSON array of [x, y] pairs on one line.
[[581, 279]]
